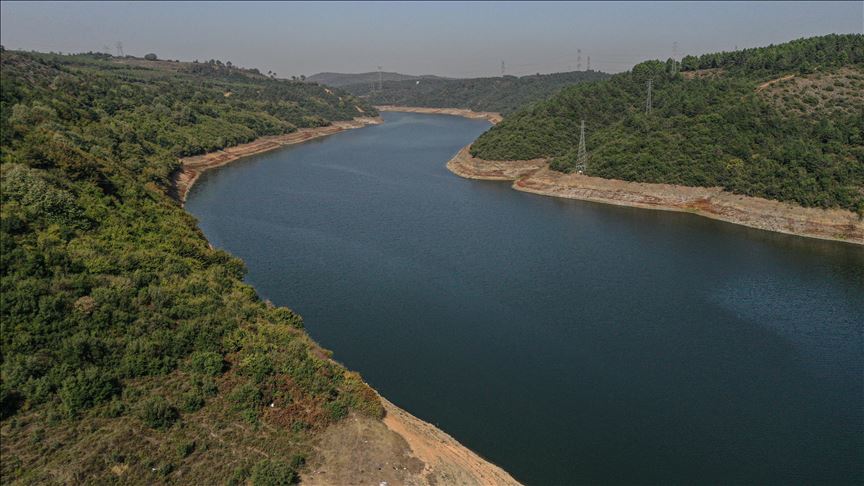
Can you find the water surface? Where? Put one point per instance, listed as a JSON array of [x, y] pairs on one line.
[[566, 341]]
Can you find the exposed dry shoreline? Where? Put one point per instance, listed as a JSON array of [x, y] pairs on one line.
[[490, 116], [399, 450], [534, 176], [193, 167], [712, 202]]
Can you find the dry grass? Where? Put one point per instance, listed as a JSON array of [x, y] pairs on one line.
[[832, 93]]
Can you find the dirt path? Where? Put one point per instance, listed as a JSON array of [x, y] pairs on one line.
[[193, 167], [769, 83], [491, 117], [712, 202]]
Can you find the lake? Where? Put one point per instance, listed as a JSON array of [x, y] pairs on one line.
[[565, 341]]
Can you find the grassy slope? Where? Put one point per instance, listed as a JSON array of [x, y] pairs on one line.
[[131, 350], [500, 94], [714, 124]]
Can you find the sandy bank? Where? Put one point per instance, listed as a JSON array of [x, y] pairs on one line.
[[713, 202], [491, 117], [401, 450], [193, 167]]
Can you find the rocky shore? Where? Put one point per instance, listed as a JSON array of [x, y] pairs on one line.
[[712, 202]]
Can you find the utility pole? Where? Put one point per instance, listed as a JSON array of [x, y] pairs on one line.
[[648, 100], [578, 59], [380, 79], [503, 68], [581, 153]]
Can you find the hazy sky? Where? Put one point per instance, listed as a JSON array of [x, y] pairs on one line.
[[446, 38]]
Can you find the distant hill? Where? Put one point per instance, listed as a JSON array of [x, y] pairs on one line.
[[502, 94], [344, 79], [783, 122]]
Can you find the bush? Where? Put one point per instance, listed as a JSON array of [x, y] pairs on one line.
[[85, 389], [273, 473], [192, 402], [256, 365], [185, 448], [206, 363], [246, 399], [157, 413]]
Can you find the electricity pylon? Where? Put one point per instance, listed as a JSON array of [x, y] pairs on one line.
[[581, 153]]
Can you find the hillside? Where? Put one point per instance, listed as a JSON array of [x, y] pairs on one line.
[[499, 94], [132, 351], [781, 122], [340, 80]]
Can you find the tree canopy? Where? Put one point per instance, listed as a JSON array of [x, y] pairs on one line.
[[125, 337], [782, 122]]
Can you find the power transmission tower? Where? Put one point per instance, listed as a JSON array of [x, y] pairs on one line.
[[648, 100], [581, 153], [588, 68], [106, 49], [578, 59], [119, 46], [675, 57], [503, 68], [380, 79]]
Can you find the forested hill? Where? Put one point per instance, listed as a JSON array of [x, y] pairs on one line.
[[500, 94], [129, 346], [345, 79], [784, 122]]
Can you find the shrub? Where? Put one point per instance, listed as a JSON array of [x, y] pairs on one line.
[[206, 363], [246, 399], [157, 413], [185, 448], [85, 389], [273, 473], [192, 402], [256, 365]]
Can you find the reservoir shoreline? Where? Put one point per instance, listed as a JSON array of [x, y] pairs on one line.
[[535, 176], [332, 219], [191, 168], [441, 457]]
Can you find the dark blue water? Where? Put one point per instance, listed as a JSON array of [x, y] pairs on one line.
[[568, 342]]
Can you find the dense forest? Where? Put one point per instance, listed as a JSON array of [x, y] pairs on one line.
[[132, 351], [784, 122], [503, 94]]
